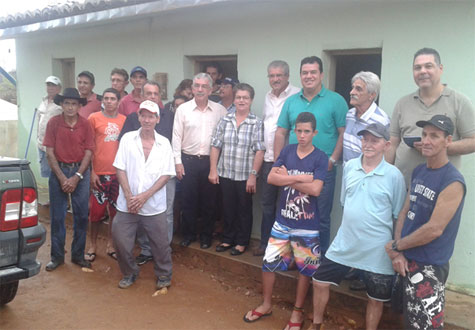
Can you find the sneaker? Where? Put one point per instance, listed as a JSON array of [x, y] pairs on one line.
[[81, 263], [163, 282], [127, 281], [142, 259]]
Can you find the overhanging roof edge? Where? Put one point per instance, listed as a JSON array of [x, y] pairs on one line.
[[103, 15]]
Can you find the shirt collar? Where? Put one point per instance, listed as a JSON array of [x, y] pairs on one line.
[[445, 92], [157, 140], [379, 170], [368, 113], [195, 106], [322, 93]]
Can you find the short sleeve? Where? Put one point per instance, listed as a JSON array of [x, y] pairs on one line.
[[284, 120], [218, 136], [394, 128], [341, 109]]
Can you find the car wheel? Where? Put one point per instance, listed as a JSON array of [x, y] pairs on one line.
[[8, 292]]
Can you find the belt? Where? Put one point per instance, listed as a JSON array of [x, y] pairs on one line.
[[61, 164], [195, 156]]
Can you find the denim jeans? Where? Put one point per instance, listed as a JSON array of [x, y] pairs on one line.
[[45, 170], [268, 203], [325, 204], [57, 210]]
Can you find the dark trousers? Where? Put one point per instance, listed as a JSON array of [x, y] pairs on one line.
[[237, 212], [268, 203], [198, 198]]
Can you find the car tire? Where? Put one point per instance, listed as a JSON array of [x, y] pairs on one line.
[[8, 292]]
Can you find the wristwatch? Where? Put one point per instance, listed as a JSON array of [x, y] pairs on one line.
[[332, 161], [394, 246], [254, 172], [79, 175]]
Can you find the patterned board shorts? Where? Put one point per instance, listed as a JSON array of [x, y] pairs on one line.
[[100, 199], [287, 244], [424, 296]]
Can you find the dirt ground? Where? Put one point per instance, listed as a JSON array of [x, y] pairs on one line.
[[69, 298]]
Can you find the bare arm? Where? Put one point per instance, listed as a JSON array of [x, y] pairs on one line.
[[447, 203], [314, 188], [390, 155], [338, 148], [279, 141], [53, 163], [213, 165], [463, 146], [251, 184], [279, 176]]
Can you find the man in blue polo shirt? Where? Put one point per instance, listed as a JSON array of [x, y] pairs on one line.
[[372, 195], [329, 108], [427, 227]]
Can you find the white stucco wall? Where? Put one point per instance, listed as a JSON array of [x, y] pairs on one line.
[[259, 33]]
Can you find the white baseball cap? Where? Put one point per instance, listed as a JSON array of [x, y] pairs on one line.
[[54, 80], [150, 106]]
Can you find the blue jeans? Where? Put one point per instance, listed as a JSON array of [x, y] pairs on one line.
[[268, 204], [57, 210], [45, 170], [325, 204]]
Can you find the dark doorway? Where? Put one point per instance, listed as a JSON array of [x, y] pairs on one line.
[[347, 65]]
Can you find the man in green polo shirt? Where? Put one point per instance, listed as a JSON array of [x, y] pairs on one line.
[[329, 108]]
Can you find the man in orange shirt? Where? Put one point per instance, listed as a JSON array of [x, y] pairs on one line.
[[106, 126]]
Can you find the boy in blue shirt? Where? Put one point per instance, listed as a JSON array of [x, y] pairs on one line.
[[300, 170]]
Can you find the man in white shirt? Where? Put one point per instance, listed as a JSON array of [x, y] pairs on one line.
[[46, 110], [144, 164], [193, 127], [281, 89]]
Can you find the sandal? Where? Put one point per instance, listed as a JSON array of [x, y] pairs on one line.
[[256, 313], [299, 325], [90, 256], [112, 254]]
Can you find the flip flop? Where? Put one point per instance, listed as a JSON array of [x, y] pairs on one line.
[[90, 256], [256, 313], [112, 254], [295, 325]]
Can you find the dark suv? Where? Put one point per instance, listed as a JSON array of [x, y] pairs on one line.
[[20, 233]]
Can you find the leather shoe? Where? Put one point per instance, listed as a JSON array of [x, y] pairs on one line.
[[81, 263], [52, 265], [186, 242], [236, 252], [222, 248], [205, 244], [259, 252]]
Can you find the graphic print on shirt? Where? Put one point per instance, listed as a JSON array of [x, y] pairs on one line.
[[296, 201], [111, 132]]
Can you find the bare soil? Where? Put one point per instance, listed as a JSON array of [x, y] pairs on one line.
[[69, 298]]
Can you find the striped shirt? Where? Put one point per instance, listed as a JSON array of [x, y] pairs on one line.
[[351, 140], [238, 145]]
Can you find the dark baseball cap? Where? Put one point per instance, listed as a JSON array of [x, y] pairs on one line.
[[442, 122], [377, 129], [138, 69], [230, 81]]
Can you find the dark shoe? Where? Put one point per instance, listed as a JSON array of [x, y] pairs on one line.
[[81, 263], [127, 281], [357, 285], [186, 242], [222, 248], [163, 282], [52, 265], [259, 252], [205, 244], [142, 259], [236, 252]]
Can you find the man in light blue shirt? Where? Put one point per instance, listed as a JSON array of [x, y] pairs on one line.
[[372, 194]]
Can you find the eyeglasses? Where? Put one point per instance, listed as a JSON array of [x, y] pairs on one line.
[[272, 76], [245, 98]]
